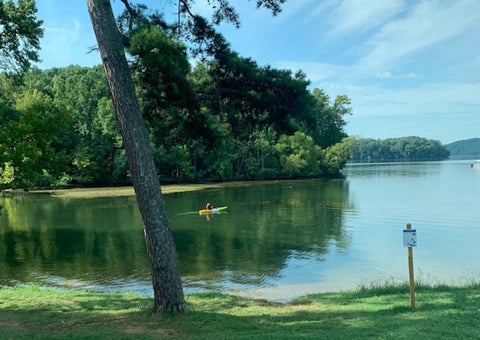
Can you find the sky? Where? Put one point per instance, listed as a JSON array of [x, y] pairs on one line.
[[409, 67]]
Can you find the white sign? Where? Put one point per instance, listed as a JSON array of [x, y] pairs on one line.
[[409, 237]]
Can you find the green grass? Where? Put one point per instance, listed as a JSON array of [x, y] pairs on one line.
[[374, 313]]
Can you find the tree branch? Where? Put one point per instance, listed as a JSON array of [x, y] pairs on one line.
[[131, 12], [186, 8]]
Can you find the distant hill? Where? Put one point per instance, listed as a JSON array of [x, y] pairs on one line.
[[466, 149]]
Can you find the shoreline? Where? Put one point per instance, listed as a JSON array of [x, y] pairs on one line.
[[115, 191], [166, 188]]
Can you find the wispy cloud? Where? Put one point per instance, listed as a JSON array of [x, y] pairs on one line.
[[398, 32], [448, 98], [361, 15], [390, 75], [315, 71], [427, 24], [63, 45]]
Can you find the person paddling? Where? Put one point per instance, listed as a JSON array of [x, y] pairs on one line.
[[208, 206]]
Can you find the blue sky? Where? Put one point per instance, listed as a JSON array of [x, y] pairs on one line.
[[410, 68]]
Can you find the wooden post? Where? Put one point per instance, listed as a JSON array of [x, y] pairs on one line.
[[410, 272]]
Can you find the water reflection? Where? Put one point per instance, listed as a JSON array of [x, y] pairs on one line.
[[98, 243], [276, 240], [391, 169], [264, 227], [95, 240]]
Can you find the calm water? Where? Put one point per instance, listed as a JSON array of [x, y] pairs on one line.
[[277, 240]]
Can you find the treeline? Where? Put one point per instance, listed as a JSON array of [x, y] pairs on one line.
[[398, 149], [468, 148], [226, 118]]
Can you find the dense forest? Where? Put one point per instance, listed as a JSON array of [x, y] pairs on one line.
[[398, 149], [468, 148], [224, 118]]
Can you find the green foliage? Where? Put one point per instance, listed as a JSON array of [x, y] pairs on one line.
[[248, 97], [160, 68], [251, 100], [337, 155], [326, 122], [398, 149], [90, 138], [216, 135], [299, 155], [7, 174], [20, 34], [228, 118], [27, 141]]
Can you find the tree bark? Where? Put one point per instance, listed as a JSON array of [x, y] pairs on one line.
[[167, 284]]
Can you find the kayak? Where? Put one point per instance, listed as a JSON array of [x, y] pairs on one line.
[[212, 211]]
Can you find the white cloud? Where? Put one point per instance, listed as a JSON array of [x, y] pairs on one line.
[[390, 75], [384, 74], [293, 7], [61, 36], [288, 10], [66, 45], [427, 24], [444, 111], [355, 15], [439, 97], [315, 71]]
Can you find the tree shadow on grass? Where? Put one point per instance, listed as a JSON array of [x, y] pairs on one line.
[[442, 312], [82, 315]]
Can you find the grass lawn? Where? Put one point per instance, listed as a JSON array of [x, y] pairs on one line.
[[376, 313]]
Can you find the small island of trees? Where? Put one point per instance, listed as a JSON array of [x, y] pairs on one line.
[[398, 149]]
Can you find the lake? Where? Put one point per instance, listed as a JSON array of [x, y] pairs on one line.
[[277, 240]]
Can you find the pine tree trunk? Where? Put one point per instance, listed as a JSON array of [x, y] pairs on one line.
[[167, 284]]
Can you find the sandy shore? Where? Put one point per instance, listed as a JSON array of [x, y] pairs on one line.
[[119, 191]]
